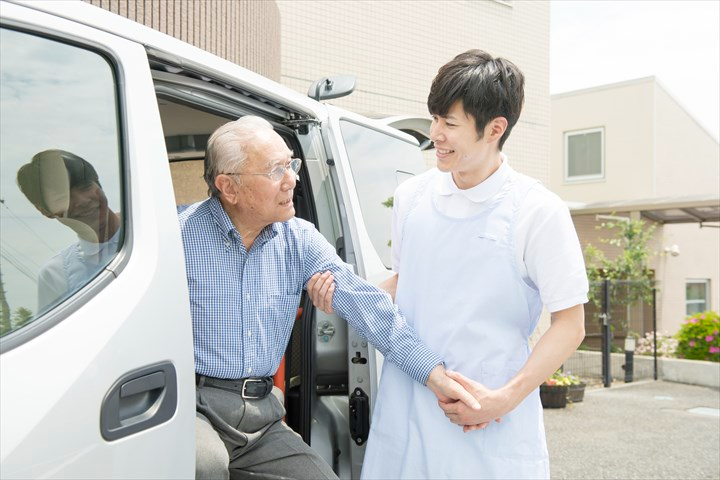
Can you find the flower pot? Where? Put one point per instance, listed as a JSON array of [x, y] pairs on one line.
[[576, 393], [553, 396]]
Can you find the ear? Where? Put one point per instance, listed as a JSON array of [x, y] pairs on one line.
[[495, 129], [228, 188]]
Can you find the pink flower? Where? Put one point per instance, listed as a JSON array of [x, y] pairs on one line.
[[714, 349], [694, 320], [715, 332], [709, 338], [702, 317], [691, 343]]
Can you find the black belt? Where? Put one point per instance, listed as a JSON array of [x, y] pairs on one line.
[[251, 388]]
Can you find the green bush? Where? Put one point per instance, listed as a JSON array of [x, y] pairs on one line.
[[699, 337]]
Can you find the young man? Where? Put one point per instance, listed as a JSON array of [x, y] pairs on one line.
[[248, 260], [479, 249], [65, 187]]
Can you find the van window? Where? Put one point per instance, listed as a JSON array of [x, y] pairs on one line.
[[379, 162], [60, 188]]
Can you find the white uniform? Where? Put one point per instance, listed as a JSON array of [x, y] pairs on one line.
[[468, 286]]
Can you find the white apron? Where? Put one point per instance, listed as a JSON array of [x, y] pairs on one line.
[[460, 288]]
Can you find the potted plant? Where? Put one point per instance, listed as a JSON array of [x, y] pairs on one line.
[[576, 388], [554, 392], [560, 388]]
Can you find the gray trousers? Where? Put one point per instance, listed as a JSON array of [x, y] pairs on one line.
[[246, 439]]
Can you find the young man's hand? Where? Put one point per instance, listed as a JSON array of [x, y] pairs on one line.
[[447, 390], [495, 405]]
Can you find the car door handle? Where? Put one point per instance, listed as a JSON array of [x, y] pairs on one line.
[[147, 383], [139, 400]]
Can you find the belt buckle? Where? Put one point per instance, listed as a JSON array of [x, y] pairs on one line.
[[244, 388]]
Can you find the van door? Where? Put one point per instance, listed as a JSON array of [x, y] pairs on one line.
[[369, 161], [96, 370]]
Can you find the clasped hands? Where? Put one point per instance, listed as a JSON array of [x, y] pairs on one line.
[[465, 402]]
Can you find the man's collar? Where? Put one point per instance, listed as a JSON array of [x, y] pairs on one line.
[[481, 192], [227, 226]]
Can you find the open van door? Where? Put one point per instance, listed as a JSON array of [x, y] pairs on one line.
[[369, 160], [96, 370]]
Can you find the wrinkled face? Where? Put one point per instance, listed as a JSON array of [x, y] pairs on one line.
[[458, 147], [261, 200]]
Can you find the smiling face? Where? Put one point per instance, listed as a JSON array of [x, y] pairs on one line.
[[255, 201], [89, 205], [459, 149]]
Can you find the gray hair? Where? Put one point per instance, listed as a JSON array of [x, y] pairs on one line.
[[226, 148]]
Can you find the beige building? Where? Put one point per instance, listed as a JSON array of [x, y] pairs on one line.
[[630, 150], [395, 48], [246, 32]]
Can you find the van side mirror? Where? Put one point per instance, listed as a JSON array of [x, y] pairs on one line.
[[332, 87]]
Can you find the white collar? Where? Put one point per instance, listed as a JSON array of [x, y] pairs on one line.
[[481, 192], [93, 248]]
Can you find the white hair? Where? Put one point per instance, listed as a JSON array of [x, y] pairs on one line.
[[226, 147]]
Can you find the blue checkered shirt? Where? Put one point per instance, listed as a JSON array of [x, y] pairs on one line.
[[244, 303]]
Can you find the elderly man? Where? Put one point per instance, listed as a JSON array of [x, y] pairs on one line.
[[248, 259]]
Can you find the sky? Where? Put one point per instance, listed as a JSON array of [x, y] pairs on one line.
[[599, 42]]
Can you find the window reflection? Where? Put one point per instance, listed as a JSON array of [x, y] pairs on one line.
[[379, 164], [59, 173]]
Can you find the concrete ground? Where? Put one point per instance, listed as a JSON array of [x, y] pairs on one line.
[[642, 430]]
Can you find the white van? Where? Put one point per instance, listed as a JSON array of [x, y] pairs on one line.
[[96, 374]]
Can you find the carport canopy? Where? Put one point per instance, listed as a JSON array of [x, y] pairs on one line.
[[702, 209]]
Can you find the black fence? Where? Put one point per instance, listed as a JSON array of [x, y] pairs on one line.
[[612, 330]]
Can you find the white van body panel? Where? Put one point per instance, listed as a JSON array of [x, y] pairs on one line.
[[53, 386]]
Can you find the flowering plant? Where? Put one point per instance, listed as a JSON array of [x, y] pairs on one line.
[[699, 337], [666, 345], [562, 378]]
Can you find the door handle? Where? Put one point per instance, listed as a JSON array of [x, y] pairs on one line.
[[139, 400], [146, 383]]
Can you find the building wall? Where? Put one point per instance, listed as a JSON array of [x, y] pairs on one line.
[[246, 32], [626, 111], [687, 162], [687, 157], [395, 49], [699, 258]]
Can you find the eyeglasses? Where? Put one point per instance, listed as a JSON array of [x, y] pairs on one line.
[[277, 173]]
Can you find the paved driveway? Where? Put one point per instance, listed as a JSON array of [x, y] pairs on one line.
[[648, 430]]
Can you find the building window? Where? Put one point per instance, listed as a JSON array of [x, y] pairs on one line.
[[585, 155], [697, 296]]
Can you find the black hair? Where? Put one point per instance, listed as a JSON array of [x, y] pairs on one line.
[[488, 88], [80, 174]]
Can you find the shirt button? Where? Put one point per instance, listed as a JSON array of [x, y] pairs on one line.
[[249, 334], [249, 369]]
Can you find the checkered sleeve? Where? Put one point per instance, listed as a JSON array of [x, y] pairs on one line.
[[370, 311]]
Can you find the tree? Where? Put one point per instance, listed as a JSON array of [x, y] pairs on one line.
[[21, 316], [630, 268]]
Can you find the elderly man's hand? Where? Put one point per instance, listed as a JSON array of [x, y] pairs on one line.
[[320, 288]]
